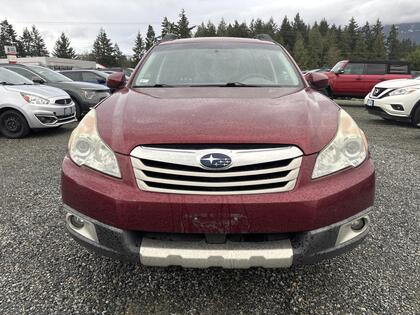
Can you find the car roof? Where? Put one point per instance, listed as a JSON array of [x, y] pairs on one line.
[[232, 40]]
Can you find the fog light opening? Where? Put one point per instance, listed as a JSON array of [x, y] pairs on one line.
[[77, 222], [358, 225]]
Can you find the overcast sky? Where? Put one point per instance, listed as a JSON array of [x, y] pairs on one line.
[[121, 19]]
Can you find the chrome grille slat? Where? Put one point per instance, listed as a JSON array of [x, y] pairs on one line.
[[138, 165], [292, 175], [255, 173]]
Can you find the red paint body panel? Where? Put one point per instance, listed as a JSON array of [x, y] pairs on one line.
[[312, 204], [135, 117]]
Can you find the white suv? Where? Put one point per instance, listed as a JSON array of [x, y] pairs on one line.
[[397, 100]]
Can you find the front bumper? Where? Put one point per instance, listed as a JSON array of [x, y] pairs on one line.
[[153, 250], [385, 106], [47, 116], [378, 111]]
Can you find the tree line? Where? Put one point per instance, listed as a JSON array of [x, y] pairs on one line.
[[318, 45]]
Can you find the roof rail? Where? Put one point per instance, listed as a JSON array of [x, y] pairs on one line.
[[264, 37], [168, 37]]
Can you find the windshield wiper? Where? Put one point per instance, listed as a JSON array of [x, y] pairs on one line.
[[5, 83], [239, 84], [153, 86]]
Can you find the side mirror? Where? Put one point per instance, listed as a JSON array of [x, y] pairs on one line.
[[38, 80], [101, 81], [317, 80], [339, 71], [116, 80]]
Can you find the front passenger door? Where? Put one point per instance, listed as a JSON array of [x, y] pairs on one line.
[[349, 83]]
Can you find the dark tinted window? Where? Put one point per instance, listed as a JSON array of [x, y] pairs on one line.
[[376, 68], [91, 77], [27, 74], [76, 76], [354, 68], [398, 69]]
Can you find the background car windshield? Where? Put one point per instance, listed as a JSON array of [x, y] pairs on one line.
[[10, 77], [218, 64], [49, 75], [338, 66]]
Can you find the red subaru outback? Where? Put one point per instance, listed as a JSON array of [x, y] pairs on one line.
[[217, 152]]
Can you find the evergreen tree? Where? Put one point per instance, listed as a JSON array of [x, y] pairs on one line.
[[286, 32], [183, 26], [414, 59], [201, 30], [38, 47], [168, 27], [315, 47], [222, 28], [324, 27], [103, 50], [393, 44], [120, 59], [350, 37], [300, 53], [300, 26], [25, 43], [8, 37], [138, 48], [211, 29], [62, 48], [150, 38], [377, 48]]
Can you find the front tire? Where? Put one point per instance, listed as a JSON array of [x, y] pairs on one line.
[[415, 120], [13, 124], [78, 110]]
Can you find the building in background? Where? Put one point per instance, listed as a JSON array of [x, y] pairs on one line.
[[55, 63]]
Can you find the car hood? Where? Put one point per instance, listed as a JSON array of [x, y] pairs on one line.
[[399, 83], [133, 117], [79, 85], [39, 90]]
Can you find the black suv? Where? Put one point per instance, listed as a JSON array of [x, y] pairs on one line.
[[85, 95]]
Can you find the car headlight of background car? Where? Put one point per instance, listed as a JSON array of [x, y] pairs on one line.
[[87, 148], [89, 94], [349, 148], [403, 91], [33, 99]]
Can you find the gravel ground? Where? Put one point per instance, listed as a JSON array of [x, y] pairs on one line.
[[43, 271]]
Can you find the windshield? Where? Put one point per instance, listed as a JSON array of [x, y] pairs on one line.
[[217, 64], [338, 66], [49, 75], [12, 78]]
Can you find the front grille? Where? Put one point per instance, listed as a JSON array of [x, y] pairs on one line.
[[377, 91], [253, 171], [63, 101]]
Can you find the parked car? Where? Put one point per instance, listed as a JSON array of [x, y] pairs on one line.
[[84, 95], [218, 153], [84, 75], [350, 78], [396, 100], [25, 106]]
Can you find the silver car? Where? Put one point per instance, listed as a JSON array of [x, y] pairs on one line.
[[25, 106]]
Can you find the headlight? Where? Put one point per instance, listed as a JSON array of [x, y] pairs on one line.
[[403, 91], [89, 94], [348, 149], [87, 148], [33, 99]]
